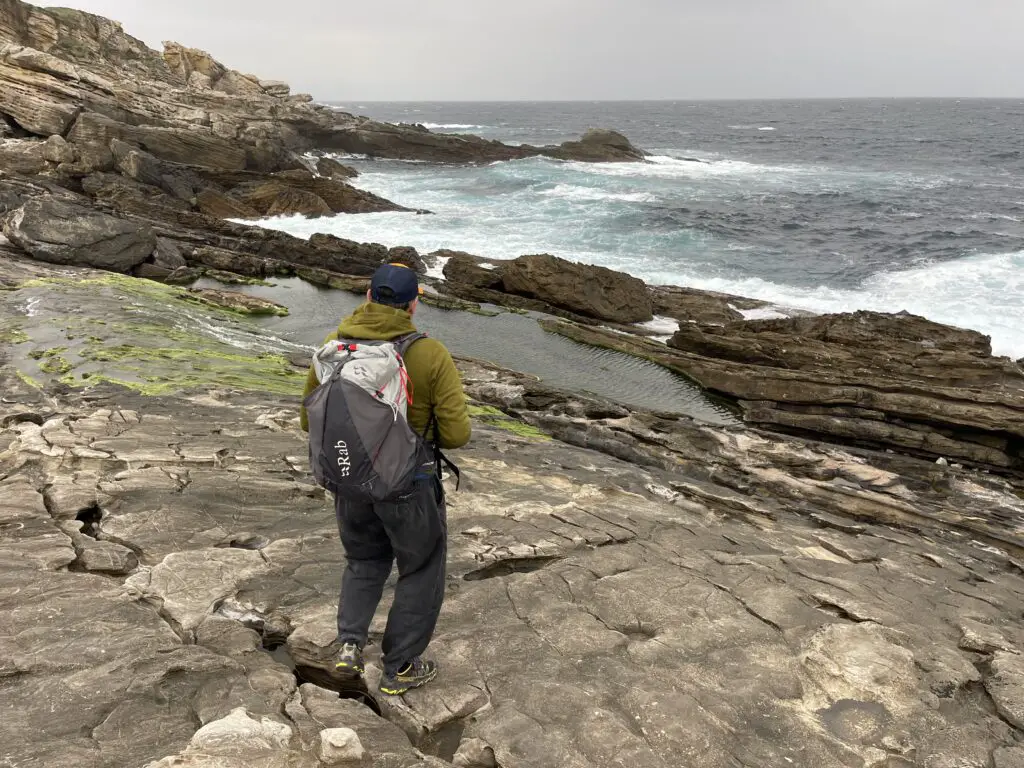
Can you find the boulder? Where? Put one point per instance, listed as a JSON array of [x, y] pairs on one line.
[[92, 134], [690, 305], [275, 88], [296, 189], [183, 62], [238, 84], [332, 169], [600, 146], [467, 269], [63, 233], [596, 292], [238, 302], [408, 256], [273, 198], [26, 156], [340, 196], [57, 150], [340, 746], [167, 254], [214, 203], [175, 180], [338, 250], [151, 271]]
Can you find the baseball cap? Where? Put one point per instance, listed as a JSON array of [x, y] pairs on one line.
[[394, 284]]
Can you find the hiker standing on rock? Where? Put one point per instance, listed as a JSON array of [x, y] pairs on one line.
[[381, 401]]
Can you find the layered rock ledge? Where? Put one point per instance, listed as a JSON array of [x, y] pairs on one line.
[[874, 379]]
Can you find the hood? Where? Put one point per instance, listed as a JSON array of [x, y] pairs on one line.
[[376, 323]]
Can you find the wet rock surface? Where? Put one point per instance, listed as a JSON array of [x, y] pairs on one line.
[[59, 233], [624, 588], [891, 381], [593, 291]]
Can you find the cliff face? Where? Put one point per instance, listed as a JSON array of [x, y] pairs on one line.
[[56, 63], [82, 38]]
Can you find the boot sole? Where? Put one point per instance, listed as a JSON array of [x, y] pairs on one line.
[[401, 688], [348, 669]]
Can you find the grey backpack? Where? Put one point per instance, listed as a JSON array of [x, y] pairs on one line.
[[361, 446]]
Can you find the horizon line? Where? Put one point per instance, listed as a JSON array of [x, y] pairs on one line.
[[674, 99]]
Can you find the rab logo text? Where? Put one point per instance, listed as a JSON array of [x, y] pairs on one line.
[[343, 461]]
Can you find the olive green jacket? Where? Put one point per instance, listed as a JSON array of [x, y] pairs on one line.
[[436, 386]]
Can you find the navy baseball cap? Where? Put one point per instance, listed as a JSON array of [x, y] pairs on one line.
[[394, 284]]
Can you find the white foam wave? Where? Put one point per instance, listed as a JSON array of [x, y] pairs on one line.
[[983, 292], [667, 167], [590, 194], [453, 126], [661, 324], [664, 328], [766, 128], [986, 216], [760, 313], [437, 269]]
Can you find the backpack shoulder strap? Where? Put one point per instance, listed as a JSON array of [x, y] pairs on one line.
[[402, 343]]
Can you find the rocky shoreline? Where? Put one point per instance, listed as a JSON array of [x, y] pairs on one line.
[[134, 161], [839, 581]]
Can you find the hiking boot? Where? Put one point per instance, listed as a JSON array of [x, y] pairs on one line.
[[414, 674], [350, 660]]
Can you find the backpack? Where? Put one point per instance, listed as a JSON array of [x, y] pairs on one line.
[[361, 446]]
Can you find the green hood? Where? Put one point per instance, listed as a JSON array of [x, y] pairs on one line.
[[376, 322]]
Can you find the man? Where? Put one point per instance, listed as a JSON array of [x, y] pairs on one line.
[[412, 530]]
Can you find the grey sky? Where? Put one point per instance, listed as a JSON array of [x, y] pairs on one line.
[[600, 49]]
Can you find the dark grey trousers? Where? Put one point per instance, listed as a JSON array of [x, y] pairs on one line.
[[412, 531]]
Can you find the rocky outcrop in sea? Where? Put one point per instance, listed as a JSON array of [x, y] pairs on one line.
[[837, 579]]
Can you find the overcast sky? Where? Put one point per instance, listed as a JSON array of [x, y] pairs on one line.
[[600, 49]]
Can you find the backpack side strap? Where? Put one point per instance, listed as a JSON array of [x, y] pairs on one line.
[[439, 458]]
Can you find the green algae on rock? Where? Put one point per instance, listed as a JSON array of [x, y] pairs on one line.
[[493, 417], [13, 336], [236, 302], [230, 278], [453, 304], [136, 333]]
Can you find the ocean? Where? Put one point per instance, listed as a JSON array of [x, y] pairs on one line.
[[829, 206]]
